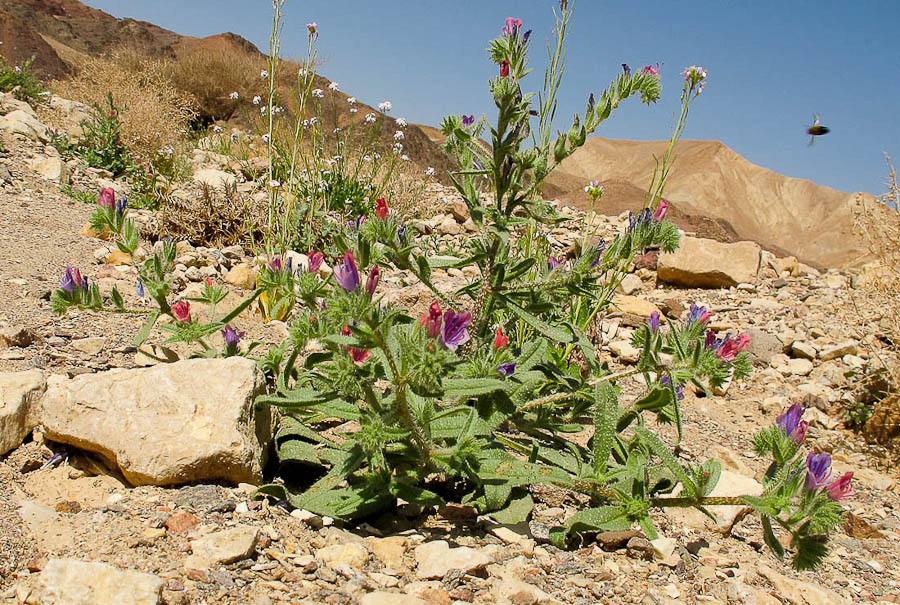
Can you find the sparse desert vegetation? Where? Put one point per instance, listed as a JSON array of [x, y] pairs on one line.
[[336, 360]]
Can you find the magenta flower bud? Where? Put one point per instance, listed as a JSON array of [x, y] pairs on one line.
[[315, 261], [799, 433], [661, 210], [432, 320], [841, 489], [232, 338], [372, 281], [553, 263], [454, 332], [275, 264], [346, 274], [107, 198], [467, 121], [653, 321], [512, 27], [181, 310], [71, 280]]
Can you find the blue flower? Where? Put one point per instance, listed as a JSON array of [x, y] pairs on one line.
[[507, 369]]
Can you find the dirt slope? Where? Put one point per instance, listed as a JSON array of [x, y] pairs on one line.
[[709, 179]]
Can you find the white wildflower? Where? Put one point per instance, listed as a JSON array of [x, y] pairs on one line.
[[217, 129], [274, 184], [264, 74], [398, 136], [429, 171], [257, 100], [385, 106], [234, 95], [370, 118], [333, 86], [351, 100], [318, 93], [401, 122]]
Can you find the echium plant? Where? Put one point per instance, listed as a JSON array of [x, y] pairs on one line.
[[473, 399]]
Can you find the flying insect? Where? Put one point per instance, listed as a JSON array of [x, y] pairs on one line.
[[816, 130]]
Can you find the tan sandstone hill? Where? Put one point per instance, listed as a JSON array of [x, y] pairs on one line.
[[782, 214]]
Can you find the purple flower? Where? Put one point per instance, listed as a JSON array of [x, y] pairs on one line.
[[699, 314], [140, 288], [346, 274], [507, 369], [401, 234], [653, 321], [789, 422], [711, 343], [467, 121], [730, 347], [626, 69], [818, 470], [840, 490], [639, 219], [653, 71], [598, 253], [454, 332], [71, 280], [275, 265], [121, 205], [232, 338], [360, 219], [553, 263], [679, 392], [512, 27], [526, 36]]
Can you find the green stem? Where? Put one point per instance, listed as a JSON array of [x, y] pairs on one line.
[[562, 396]]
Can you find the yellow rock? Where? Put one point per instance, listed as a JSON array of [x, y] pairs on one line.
[[117, 257]]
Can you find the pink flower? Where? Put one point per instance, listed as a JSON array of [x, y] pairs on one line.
[[360, 356], [372, 281], [432, 320], [661, 210], [732, 346], [512, 26], [381, 208], [315, 261], [182, 311], [653, 71], [841, 489], [500, 340], [107, 198], [504, 68]]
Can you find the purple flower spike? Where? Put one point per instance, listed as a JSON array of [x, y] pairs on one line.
[[71, 280], [818, 470], [507, 369], [467, 121], [232, 338], [653, 321], [553, 263], [699, 314], [679, 392], [121, 205], [454, 332], [346, 274], [790, 420]]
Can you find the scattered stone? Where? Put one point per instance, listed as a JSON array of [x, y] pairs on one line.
[[390, 550], [845, 348], [336, 555], [51, 168], [20, 393], [640, 547], [803, 350], [434, 559], [706, 263], [730, 484], [216, 179], [73, 582], [614, 540], [193, 420], [663, 548], [150, 355], [624, 351], [226, 546], [798, 591], [182, 522], [242, 276], [448, 226], [630, 284], [390, 598], [16, 336], [89, 346], [763, 346]]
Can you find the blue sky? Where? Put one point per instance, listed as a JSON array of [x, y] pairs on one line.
[[771, 65]]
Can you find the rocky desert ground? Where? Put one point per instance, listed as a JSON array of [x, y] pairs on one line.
[[129, 474]]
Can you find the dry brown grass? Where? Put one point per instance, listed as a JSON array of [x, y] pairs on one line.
[[154, 112]]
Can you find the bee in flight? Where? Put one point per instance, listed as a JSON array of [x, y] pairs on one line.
[[816, 130]]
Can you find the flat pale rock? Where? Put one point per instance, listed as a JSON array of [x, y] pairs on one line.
[[25, 124], [216, 179], [730, 484], [630, 284], [189, 421], [226, 546], [434, 559], [512, 591], [89, 346], [19, 394], [706, 263], [352, 555], [624, 351], [845, 348], [800, 592], [50, 168], [390, 598], [241, 275], [72, 582]]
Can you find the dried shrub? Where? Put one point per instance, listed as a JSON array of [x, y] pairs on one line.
[[155, 112]]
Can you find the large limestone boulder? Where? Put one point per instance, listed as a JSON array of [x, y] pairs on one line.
[[25, 124], [69, 114], [216, 179], [73, 582], [706, 263], [19, 394], [192, 420]]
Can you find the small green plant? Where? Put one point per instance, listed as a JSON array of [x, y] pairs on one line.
[[21, 81], [85, 197], [101, 145]]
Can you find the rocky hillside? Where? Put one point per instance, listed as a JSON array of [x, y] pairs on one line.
[[780, 213]]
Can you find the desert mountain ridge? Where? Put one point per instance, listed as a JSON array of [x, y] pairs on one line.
[[715, 192]]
